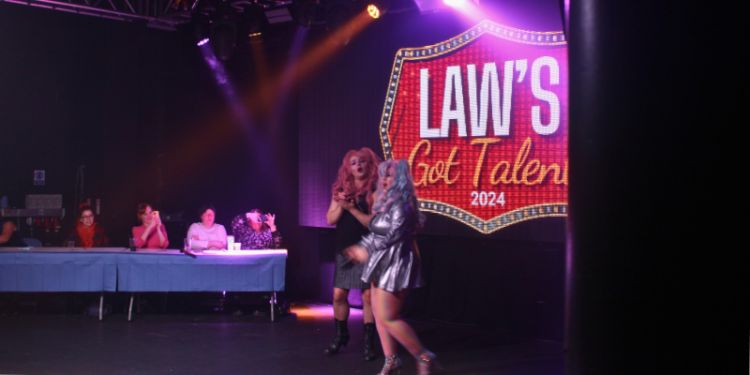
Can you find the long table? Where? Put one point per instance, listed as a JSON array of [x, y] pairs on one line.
[[146, 270], [58, 270]]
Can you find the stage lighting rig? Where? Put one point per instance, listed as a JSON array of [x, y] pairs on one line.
[[224, 28], [254, 23], [226, 23], [377, 8]]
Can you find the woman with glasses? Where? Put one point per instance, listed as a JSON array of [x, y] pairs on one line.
[[88, 233]]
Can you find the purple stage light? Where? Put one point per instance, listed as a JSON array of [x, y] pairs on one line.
[[467, 8], [288, 75], [454, 3], [428, 6], [222, 79]]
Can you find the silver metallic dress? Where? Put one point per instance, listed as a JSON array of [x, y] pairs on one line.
[[393, 263]]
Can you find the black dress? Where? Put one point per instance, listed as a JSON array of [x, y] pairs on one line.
[[349, 231]]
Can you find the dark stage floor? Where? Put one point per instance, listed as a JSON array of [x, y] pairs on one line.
[[224, 343]]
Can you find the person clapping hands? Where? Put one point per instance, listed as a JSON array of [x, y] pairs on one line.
[[151, 234]]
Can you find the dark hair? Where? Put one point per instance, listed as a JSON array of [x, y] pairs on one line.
[[84, 207], [205, 207], [142, 209], [256, 210]]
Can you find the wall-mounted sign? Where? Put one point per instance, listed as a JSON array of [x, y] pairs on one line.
[[482, 120], [39, 177]]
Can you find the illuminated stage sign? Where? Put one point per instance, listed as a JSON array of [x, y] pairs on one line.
[[482, 120]]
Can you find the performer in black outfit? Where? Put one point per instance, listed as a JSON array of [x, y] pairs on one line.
[[350, 212]]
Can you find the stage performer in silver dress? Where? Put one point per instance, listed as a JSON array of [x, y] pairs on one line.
[[392, 263]]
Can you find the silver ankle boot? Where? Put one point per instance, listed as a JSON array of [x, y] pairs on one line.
[[392, 365], [426, 363]]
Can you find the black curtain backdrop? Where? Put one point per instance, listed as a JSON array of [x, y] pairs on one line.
[[143, 113]]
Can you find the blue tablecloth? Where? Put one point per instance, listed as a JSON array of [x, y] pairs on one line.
[[246, 271], [109, 270], [57, 271]]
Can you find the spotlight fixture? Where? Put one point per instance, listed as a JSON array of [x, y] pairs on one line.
[[373, 11], [377, 8], [224, 27], [254, 23], [202, 42], [278, 15]]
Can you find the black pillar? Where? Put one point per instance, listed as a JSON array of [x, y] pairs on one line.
[[655, 274]]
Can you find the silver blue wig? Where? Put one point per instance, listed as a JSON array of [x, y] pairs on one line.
[[401, 191]]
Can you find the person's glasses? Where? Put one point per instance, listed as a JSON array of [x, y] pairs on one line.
[[87, 217]]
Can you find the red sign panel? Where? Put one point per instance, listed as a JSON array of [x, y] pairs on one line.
[[482, 120]]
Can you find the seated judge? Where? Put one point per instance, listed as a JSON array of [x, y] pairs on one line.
[[207, 234], [151, 234], [88, 233], [256, 230], [9, 236]]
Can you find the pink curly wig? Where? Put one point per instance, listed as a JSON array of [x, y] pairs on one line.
[[345, 178]]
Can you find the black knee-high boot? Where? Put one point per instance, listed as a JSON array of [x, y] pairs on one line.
[[369, 342], [341, 338]]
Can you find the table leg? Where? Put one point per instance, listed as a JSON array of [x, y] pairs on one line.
[[101, 306], [272, 302], [130, 307]]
